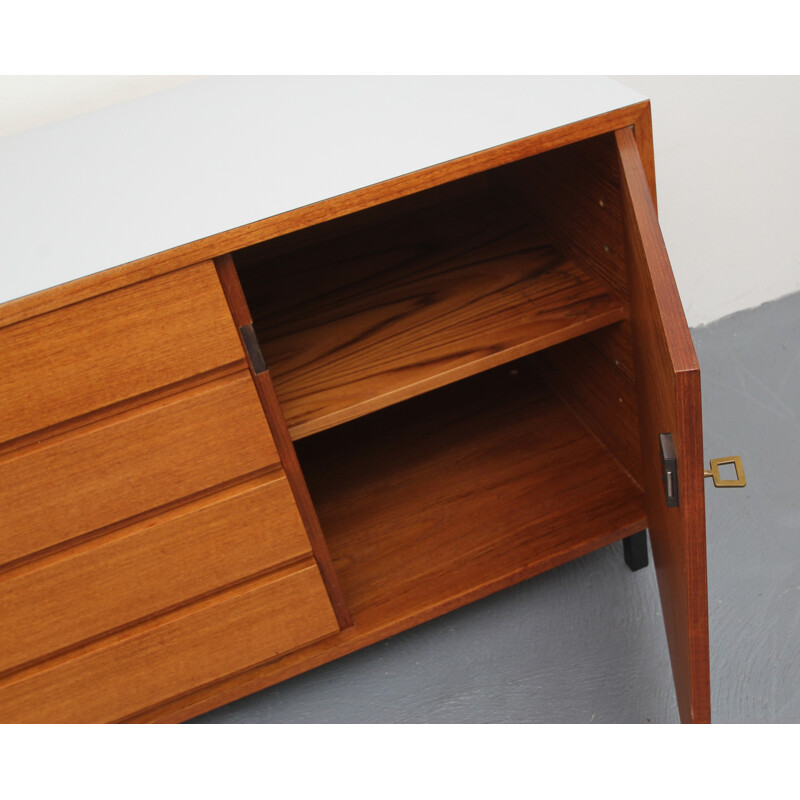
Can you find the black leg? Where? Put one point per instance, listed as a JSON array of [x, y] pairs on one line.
[[635, 550]]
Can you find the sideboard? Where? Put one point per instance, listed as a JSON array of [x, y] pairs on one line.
[[447, 354]]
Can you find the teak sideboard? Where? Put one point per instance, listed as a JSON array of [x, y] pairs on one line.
[[233, 461]]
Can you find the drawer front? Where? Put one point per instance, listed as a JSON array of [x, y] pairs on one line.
[[143, 667], [109, 472], [139, 571], [110, 348]]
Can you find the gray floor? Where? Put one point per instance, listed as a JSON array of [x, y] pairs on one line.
[[585, 642]]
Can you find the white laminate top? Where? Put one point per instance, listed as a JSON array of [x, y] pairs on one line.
[[107, 187]]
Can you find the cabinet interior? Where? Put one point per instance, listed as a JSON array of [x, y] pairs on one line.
[[453, 494], [456, 371]]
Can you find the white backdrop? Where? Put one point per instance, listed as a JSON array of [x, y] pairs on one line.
[[29, 101], [727, 165], [728, 179]]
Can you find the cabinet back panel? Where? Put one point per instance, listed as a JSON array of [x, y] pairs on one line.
[[575, 191], [282, 275], [591, 374]]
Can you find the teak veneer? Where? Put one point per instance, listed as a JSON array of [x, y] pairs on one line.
[[498, 447], [434, 296], [231, 462]]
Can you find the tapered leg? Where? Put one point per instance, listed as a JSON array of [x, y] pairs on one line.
[[634, 549]]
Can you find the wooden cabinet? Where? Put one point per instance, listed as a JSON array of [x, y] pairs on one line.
[[151, 543], [299, 437]]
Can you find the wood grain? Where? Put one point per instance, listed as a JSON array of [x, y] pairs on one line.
[[113, 347], [444, 499], [145, 569], [229, 279], [615, 344], [316, 213], [144, 666], [266, 392], [105, 473], [374, 223], [93, 417], [480, 484], [575, 192], [232, 289], [642, 126], [356, 325], [597, 388], [668, 378]]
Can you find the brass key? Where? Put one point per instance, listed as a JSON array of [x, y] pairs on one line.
[[719, 481]]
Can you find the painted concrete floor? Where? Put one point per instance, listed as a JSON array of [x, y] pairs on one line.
[[585, 642]]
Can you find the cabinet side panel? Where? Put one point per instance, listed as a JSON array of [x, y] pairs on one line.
[[594, 376], [575, 192], [668, 380], [262, 381]]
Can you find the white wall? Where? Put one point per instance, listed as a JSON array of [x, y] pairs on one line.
[[28, 101], [727, 167], [728, 180]]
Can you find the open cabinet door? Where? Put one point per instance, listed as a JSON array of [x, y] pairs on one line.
[[668, 379]]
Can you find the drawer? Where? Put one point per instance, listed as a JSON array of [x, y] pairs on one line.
[[124, 343], [119, 676], [141, 570], [106, 473]]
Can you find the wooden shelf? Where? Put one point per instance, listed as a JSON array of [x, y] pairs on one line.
[[350, 324], [448, 497], [491, 481]]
